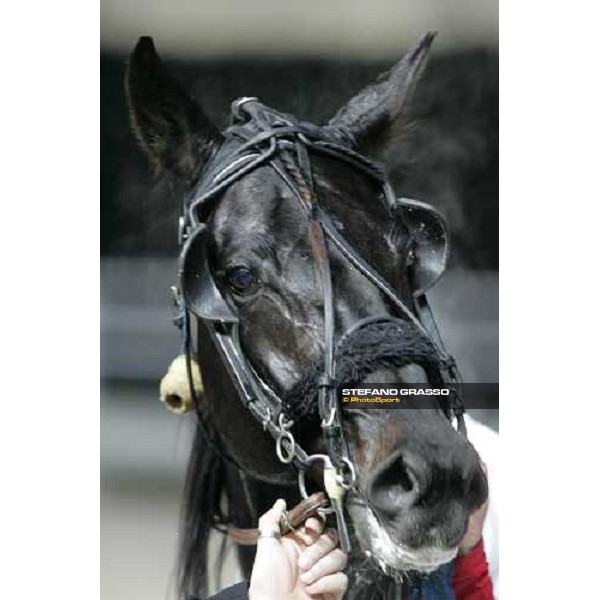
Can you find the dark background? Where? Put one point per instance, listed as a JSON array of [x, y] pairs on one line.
[[450, 159]]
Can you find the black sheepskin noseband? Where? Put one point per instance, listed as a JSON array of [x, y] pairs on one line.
[[376, 346]]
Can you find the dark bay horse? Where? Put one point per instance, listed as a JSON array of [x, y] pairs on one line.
[[300, 268]]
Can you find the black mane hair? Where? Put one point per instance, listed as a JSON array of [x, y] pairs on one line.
[[201, 511], [217, 494]]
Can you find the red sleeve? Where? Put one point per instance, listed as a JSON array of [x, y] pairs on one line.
[[471, 579]]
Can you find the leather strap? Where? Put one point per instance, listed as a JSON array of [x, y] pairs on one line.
[[294, 518]]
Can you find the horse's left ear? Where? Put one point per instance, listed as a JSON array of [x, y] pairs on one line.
[[370, 115], [169, 124]]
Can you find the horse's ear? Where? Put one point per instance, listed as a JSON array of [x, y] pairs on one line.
[[369, 117], [169, 125]]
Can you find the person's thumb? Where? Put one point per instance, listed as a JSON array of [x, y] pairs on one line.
[[269, 522]]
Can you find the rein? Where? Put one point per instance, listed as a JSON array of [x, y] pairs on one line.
[[262, 137], [309, 507]]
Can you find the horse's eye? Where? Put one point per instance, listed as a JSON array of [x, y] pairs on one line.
[[410, 259], [241, 279]]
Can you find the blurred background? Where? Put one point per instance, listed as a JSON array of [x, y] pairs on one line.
[[306, 58]]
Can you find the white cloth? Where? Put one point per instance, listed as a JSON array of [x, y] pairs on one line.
[[487, 443]]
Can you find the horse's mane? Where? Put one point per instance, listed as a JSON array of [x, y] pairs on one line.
[[215, 495], [201, 510]]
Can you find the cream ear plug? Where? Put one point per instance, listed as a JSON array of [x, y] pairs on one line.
[[175, 388]]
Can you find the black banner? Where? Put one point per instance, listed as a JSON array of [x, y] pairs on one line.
[[408, 395]]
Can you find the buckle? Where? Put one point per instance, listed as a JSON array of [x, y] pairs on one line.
[[178, 310], [325, 381]]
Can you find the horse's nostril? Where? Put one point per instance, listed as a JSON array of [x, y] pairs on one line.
[[397, 476], [399, 483]]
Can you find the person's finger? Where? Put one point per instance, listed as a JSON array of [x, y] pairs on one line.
[[269, 522], [314, 526], [331, 584], [329, 564], [310, 532], [325, 544]]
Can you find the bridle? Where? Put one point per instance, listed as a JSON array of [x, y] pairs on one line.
[[260, 136]]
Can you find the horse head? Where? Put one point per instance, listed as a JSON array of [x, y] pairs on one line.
[[284, 221]]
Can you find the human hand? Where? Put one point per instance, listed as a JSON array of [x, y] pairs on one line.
[[303, 565], [475, 526]]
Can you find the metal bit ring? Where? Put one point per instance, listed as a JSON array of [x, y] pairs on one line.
[[342, 480], [285, 456], [323, 511]]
